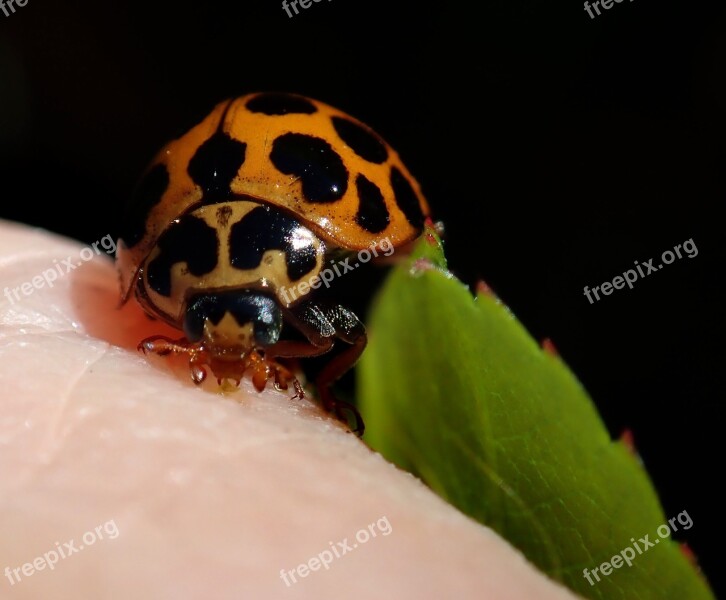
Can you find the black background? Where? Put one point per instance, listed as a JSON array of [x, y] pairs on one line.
[[556, 148]]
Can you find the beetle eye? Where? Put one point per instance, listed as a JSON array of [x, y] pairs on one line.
[[246, 307]]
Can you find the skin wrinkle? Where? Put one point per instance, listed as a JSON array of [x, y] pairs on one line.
[[49, 447], [53, 433]]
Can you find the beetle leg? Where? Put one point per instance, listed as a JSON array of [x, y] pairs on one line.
[[162, 345], [333, 371], [295, 349], [323, 323]]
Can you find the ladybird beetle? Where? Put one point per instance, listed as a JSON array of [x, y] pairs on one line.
[[250, 202]]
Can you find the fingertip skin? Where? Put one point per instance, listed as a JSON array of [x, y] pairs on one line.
[[166, 489]]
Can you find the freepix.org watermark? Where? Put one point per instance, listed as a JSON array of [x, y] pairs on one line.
[[7, 6], [49, 276], [338, 269], [293, 4], [628, 555], [107, 530], [337, 550], [630, 276], [606, 4]]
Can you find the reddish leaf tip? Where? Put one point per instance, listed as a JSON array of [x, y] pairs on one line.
[[688, 553], [628, 440], [483, 289], [692, 559], [549, 347]]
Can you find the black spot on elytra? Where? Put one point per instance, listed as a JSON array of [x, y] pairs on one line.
[[406, 198], [147, 195], [324, 176], [363, 142], [264, 229], [372, 212], [280, 104], [215, 164], [189, 240]]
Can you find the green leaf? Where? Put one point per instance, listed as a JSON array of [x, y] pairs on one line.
[[454, 389]]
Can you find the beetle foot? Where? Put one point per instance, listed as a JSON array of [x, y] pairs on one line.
[[283, 378], [344, 411]]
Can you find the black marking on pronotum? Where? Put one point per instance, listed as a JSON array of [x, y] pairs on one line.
[[147, 195], [372, 212], [189, 240], [264, 229], [216, 163], [280, 104], [362, 141], [323, 174], [406, 198], [223, 214]]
